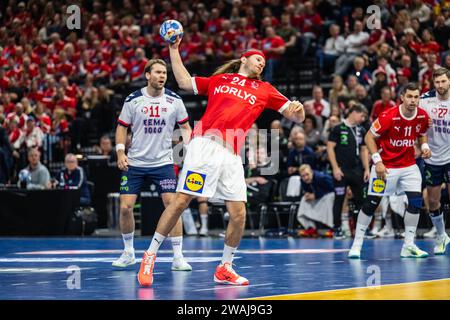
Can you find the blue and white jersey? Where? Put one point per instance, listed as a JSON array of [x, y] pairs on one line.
[[152, 121], [439, 133]]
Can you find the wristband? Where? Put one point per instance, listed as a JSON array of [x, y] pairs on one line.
[[424, 146], [376, 158], [120, 146]]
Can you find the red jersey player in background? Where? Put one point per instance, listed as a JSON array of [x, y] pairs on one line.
[[391, 140], [212, 166]]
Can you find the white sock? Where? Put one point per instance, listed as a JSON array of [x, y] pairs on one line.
[[204, 219], [128, 241], [156, 243], [388, 221], [438, 222], [177, 245], [411, 221], [228, 254], [345, 222], [377, 221], [361, 227]]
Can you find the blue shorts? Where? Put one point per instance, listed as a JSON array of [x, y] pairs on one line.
[[436, 175], [134, 179]]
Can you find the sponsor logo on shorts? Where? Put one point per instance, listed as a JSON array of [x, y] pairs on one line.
[[194, 182], [168, 184], [428, 177], [378, 185], [123, 182]]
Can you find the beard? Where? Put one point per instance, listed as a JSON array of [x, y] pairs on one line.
[[157, 85], [442, 92]]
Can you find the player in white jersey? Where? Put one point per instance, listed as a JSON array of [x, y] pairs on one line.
[[151, 113], [437, 168]]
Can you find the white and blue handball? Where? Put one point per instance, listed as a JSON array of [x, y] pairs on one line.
[[170, 30]]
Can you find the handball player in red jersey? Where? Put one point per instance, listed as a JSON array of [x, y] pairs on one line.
[[391, 140], [212, 166]]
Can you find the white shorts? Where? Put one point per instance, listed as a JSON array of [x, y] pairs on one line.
[[211, 170], [398, 180]]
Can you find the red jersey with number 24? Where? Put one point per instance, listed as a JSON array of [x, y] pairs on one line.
[[397, 135], [234, 103]]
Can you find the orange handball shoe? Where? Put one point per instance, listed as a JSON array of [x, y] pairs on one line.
[[329, 234], [308, 233], [145, 275], [226, 275]]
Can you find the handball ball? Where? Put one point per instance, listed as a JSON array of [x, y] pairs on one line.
[[170, 29], [24, 175]]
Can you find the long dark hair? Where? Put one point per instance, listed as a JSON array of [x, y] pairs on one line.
[[233, 66]]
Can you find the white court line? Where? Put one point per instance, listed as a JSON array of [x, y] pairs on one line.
[[235, 287], [290, 264], [313, 262], [73, 252], [102, 259], [89, 279], [244, 251], [43, 282], [35, 270], [18, 284], [245, 267], [337, 261], [266, 265], [112, 277]]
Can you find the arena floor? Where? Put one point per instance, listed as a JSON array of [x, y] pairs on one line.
[[40, 268]]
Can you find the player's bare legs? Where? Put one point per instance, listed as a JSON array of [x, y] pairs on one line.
[[127, 226], [176, 237], [166, 223], [172, 213], [126, 219], [126, 222], [236, 225], [177, 230], [434, 197], [437, 217], [411, 219]]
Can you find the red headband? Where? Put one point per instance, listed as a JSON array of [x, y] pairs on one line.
[[252, 52]]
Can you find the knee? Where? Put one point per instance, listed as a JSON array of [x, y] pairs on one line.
[[414, 202], [358, 202], [126, 208], [434, 204], [180, 204], [238, 216], [370, 205]]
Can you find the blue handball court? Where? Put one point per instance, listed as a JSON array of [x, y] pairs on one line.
[[66, 266], [283, 268]]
